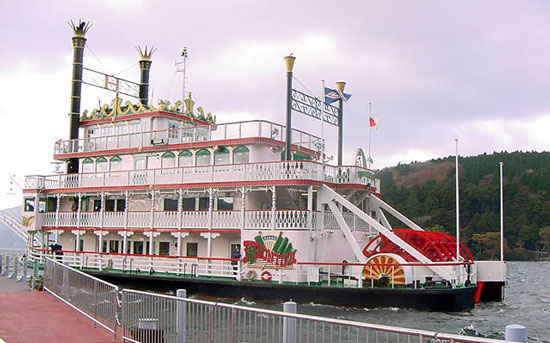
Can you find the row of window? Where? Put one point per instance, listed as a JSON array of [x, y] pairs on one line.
[[118, 205], [185, 158]]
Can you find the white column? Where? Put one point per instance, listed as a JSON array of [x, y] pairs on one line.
[[58, 203], [210, 217], [152, 221], [180, 210], [102, 209], [79, 210], [243, 207], [273, 206], [77, 245], [126, 199], [310, 207]]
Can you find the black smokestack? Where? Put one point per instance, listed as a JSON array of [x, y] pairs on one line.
[[79, 42], [145, 67]]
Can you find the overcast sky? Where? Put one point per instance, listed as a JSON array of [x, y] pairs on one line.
[[433, 70]]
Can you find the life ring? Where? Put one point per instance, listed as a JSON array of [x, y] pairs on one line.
[[266, 276]]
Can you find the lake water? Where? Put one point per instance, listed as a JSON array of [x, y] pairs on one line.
[[526, 302]]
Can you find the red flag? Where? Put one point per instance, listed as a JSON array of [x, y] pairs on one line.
[[372, 123]]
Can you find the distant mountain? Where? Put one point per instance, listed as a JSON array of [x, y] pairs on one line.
[[8, 239], [425, 191]]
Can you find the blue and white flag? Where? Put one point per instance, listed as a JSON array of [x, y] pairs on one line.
[[332, 95]]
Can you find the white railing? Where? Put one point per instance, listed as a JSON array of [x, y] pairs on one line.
[[253, 219], [266, 171], [150, 317], [92, 297], [215, 132]]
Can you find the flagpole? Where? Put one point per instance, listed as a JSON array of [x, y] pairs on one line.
[[322, 127], [370, 114], [501, 215], [457, 207]]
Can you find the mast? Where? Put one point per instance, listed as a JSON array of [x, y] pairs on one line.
[[183, 62], [79, 42], [340, 85], [457, 207]]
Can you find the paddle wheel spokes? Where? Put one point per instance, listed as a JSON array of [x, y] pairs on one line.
[[436, 246]]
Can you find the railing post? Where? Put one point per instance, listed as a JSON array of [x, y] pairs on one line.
[[14, 273], [289, 324], [515, 333], [181, 322]]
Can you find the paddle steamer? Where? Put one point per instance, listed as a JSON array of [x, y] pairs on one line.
[[164, 195]]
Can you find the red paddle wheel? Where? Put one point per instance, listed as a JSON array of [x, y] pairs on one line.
[[436, 246]]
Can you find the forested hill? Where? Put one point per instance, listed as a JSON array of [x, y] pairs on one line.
[[426, 192]]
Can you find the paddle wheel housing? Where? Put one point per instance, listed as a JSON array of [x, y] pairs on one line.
[[436, 246]]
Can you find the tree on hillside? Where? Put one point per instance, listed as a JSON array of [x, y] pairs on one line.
[[487, 245]]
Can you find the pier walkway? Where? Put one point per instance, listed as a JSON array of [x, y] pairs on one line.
[[27, 317]]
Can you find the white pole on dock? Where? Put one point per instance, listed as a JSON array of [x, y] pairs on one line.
[[501, 214], [457, 207]]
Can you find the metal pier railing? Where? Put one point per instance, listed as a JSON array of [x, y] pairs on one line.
[[142, 317]]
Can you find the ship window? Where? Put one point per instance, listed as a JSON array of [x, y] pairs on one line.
[[115, 163], [41, 205], [192, 249], [113, 246], [221, 156], [173, 129], [168, 160], [188, 204], [115, 205], [164, 248], [88, 165], [29, 204], [138, 247], [101, 164], [203, 204], [241, 155], [185, 158], [170, 204], [225, 204], [79, 246], [203, 157], [51, 204], [140, 163], [97, 205]]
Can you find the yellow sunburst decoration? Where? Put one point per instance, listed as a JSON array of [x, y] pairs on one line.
[[384, 265]]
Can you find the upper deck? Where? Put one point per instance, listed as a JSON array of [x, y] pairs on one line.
[[134, 140], [259, 173]]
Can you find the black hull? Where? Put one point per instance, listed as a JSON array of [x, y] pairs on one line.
[[433, 299]]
